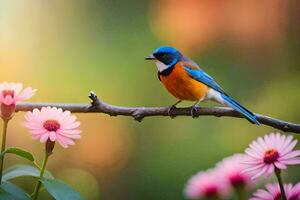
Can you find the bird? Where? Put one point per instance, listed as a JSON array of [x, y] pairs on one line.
[[185, 80]]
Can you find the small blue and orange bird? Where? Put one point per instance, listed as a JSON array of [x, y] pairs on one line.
[[184, 79]]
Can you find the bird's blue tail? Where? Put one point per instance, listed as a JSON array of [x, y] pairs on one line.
[[241, 109]]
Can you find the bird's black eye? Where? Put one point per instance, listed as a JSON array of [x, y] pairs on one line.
[[160, 55], [163, 55]]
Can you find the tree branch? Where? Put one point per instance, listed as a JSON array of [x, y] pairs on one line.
[[138, 113]]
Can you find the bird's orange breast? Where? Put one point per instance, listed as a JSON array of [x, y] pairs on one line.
[[182, 86]]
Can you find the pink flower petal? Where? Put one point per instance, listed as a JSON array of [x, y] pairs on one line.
[[52, 124], [262, 194], [253, 168], [280, 165], [262, 171], [203, 181], [27, 93], [253, 154], [71, 136], [287, 141], [291, 154], [71, 126], [272, 149], [15, 94], [273, 192], [289, 147], [17, 87], [262, 143], [38, 132], [291, 162], [270, 169], [62, 143], [69, 132], [44, 138], [52, 136]]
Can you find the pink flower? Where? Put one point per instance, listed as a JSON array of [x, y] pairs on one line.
[[273, 192], [231, 169], [10, 95], [53, 124], [206, 185], [274, 150]]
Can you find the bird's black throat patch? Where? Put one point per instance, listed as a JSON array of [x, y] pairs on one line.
[[165, 72]]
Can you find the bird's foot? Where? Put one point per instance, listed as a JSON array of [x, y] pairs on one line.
[[170, 110], [193, 111]]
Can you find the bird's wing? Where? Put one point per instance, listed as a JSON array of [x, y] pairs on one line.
[[201, 76], [189, 63], [198, 74]]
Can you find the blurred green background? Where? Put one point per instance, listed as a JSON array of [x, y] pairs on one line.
[[67, 48]]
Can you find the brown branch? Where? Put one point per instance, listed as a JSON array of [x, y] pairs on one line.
[[138, 113]]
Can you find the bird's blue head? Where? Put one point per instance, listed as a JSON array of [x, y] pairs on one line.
[[166, 54]]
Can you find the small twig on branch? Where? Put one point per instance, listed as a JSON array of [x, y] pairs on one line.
[[138, 113]]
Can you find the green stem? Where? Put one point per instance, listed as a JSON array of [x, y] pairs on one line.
[[215, 197], [241, 192], [278, 175], [5, 124], [39, 183]]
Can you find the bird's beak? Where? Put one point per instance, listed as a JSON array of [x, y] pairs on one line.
[[151, 57]]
